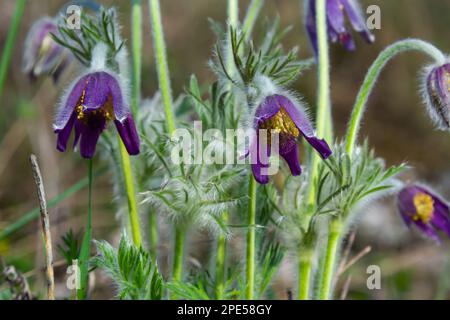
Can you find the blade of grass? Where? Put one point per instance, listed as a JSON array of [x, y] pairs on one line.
[[9, 43], [34, 213]]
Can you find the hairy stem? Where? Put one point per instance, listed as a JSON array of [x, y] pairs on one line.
[[10, 40], [83, 259], [136, 49], [221, 252], [324, 124], [323, 115], [372, 76], [334, 236], [131, 194], [161, 63], [250, 17], [177, 268], [304, 273], [251, 222]]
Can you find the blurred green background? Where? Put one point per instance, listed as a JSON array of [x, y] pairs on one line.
[[396, 125]]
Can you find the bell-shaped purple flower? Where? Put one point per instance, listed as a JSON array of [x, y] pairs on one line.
[[437, 95], [42, 55], [93, 101], [337, 30], [279, 114], [420, 206]]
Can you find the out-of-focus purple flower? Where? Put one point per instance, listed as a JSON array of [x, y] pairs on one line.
[[93, 100], [437, 94], [425, 209], [279, 114], [337, 31], [42, 55]]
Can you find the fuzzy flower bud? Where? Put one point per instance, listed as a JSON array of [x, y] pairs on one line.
[[437, 95]]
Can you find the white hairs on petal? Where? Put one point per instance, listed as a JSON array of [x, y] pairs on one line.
[[99, 56]]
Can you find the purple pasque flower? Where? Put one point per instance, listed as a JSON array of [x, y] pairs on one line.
[[93, 101], [437, 95], [42, 55], [279, 114], [425, 209], [337, 30]]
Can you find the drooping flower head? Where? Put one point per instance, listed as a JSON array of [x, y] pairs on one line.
[[279, 114], [42, 54], [426, 210], [94, 100], [337, 30], [437, 94]]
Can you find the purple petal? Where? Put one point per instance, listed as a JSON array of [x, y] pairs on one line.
[[311, 24], [69, 103], [33, 42], [441, 215], [128, 133], [78, 131], [304, 125], [346, 40], [97, 90], [335, 16], [440, 218], [88, 144], [64, 134], [266, 110], [357, 20], [121, 111], [428, 230], [291, 157], [259, 156]]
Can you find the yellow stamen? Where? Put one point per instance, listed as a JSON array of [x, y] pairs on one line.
[[107, 110], [424, 205], [281, 123]]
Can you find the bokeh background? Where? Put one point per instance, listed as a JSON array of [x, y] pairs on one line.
[[396, 125]]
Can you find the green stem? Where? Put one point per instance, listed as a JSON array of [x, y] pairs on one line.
[[131, 194], [220, 262], [250, 17], [136, 49], [233, 13], [161, 63], [10, 40], [177, 269], [323, 115], [233, 21], [323, 120], [334, 236], [372, 76], [83, 260], [251, 222], [304, 273]]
